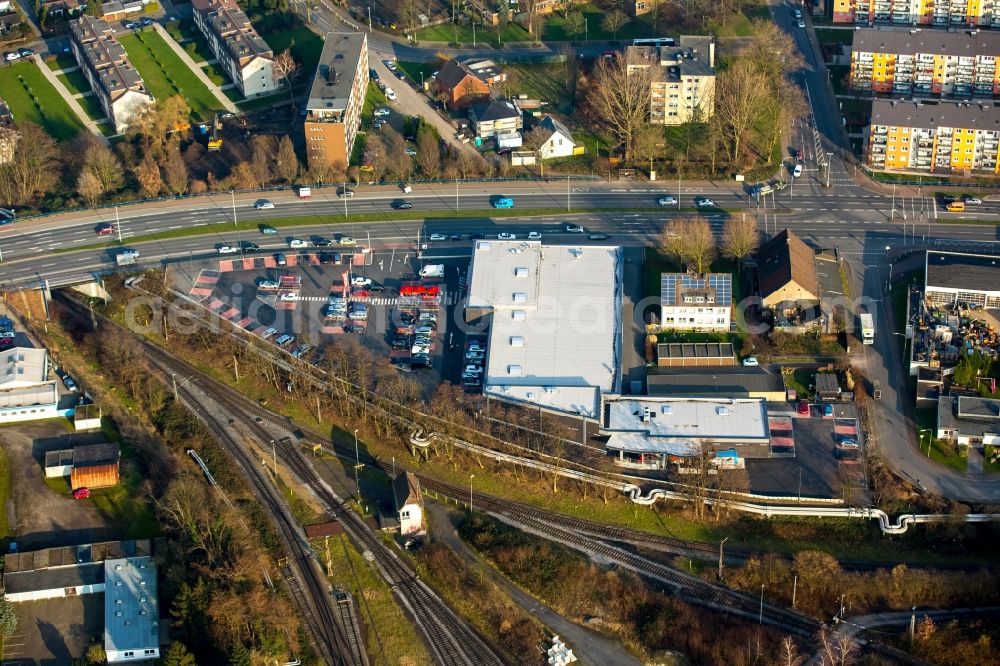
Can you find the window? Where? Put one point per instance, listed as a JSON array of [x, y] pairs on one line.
[[404, 515], [129, 653]]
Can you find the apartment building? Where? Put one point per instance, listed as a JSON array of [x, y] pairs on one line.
[[700, 302], [333, 112], [116, 84], [938, 13], [924, 63], [939, 138], [241, 51], [682, 82]]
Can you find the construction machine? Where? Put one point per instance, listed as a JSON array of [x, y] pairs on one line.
[[215, 141]]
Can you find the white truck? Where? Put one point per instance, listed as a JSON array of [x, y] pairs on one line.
[[127, 257], [867, 328], [432, 271]]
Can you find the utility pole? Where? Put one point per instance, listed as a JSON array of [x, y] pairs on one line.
[[345, 199], [567, 194], [118, 225], [795, 588], [173, 376], [236, 367], [369, 18], [913, 621], [760, 619], [892, 213], [471, 477], [274, 459], [721, 544]]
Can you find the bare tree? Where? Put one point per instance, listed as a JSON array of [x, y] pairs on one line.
[[159, 121], [772, 50], [575, 24], [242, 177], [174, 172], [741, 98], [376, 158], [33, 169], [89, 186], [740, 237], [789, 653], [613, 21], [148, 176], [649, 144], [264, 152], [535, 141], [690, 241], [286, 163], [284, 69], [619, 99], [428, 154], [103, 163], [835, 648]]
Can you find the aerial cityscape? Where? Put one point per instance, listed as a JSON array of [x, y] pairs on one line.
[[514, 332]]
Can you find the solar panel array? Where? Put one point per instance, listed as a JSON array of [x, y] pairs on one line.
[[721, 283]]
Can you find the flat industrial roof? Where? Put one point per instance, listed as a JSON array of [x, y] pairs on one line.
[[679, 426], [963, 272], [131, 609], [333, 83], [54, 579], [556, 325], [721, 380]]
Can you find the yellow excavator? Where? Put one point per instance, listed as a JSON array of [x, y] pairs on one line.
[[215, 141]]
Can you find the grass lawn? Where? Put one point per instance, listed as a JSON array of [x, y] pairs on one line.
[[61, 61], [32, 98], [92, 107], [990, 467], [75, 81], [305, 46], [415, 69], [214, 76], [942, 452], [186, 34], [839, 75], [544, 81], [389, 633], [452, 33], [166, 74], [834, 36]]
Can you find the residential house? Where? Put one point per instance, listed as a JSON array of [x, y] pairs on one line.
[[926, 63], [786, 272], [496, 119], [4, 6], [682, 79], [68, 8], [693, 301], [409, 505], [117, 85], [468, 82], [241, 51], [336, 97], [969, 420], [559, 140], [942, 137], [117, 11]]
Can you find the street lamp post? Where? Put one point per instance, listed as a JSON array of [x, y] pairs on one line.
[[920, 438], [721, 544], [586, 31], [471, 477]]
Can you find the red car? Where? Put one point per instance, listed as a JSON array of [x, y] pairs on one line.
[[804, 408], [361, 293], [81, 493], [105, 229]]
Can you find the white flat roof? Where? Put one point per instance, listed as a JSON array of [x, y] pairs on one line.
[[23, 366], [679, 425], [556, 320], [131, 607]]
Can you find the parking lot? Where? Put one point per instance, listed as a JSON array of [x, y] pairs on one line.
[[825, 465], [55, 631]]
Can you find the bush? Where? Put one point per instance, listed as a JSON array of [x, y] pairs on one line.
[[151, 8]]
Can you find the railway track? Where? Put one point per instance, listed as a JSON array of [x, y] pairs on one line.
[[450, 639], [307, 588]]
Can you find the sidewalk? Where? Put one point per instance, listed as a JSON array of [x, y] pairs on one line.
[[70, 99], [226, 103], [590, 647]]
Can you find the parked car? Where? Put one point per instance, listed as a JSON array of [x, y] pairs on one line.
[[828, 410], [390, 64], [667, 201], [325, 258], [280, 259], [68, 382], [506, 236], [81, 493], [390, 94], [750, 362], [804, 408], [534, 235], [227, 249], [801, 23], [11, 56], [285, 339], [25, 52], [381, 111], [131, 25], [269, 332], [105, 229], [267, 284], [263, 204], [359, 281], [146, 22], [288, 296], [373, 75], [410, 151]]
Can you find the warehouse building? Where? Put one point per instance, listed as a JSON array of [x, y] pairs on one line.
[[652, 431], [732, 382], [131, 610], [933, 138], [26, 392], [554, 314], [952, 278], [969, 420]]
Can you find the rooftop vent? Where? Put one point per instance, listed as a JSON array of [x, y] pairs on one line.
[[667, 409], [514, 370], [722, 410], [518, 315], [520, 271], [516, 341], [520, 297]]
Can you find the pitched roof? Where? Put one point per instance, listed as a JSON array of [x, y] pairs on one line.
[[673, 287], [892, 113], [552, 125], [783, 259], [452, 73], [498, 109], [406, 490]]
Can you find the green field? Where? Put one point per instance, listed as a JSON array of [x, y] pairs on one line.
[[32, 98], [544, 81], [186, 34], [166, 75], [75, 82], [61, 61]]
